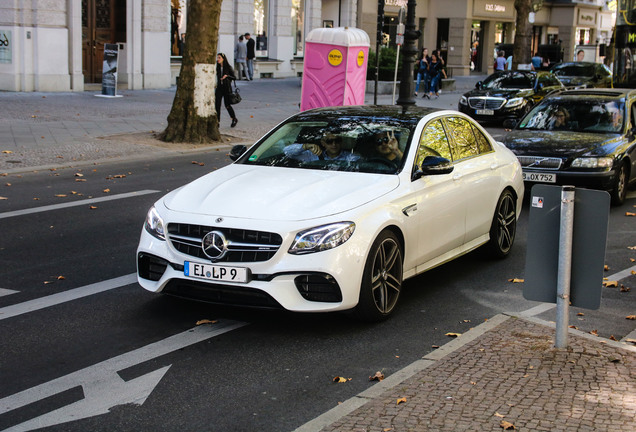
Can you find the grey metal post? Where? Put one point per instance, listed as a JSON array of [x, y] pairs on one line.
[[565, 266]]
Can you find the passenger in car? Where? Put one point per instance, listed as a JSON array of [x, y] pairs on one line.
[[386, 146], [560, 120], [330, 148]]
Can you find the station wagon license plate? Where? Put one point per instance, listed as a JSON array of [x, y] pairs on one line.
[[215, 272], [539, 177], [484, 112]]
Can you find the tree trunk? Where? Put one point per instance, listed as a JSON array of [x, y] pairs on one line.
[[523, 37], [193, 115]]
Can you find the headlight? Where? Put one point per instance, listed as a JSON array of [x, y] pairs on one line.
[[514, 102], [463, 100], [593, 162], [322, 238], [154, 224]]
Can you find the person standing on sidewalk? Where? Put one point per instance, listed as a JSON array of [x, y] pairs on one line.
[[240, 54], [500, 61], [422, 72], [251, 54], [224, 77]]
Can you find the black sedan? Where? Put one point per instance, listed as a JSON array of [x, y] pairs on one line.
[[584, 138], [583, 74], [508, 94]]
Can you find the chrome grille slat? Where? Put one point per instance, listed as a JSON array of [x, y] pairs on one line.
[[243, 245], [482, 102], [553, 163]]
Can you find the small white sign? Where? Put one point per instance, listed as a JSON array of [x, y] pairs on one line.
[[537, 202]]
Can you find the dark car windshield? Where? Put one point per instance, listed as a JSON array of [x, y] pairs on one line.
[[574, 70], [578, 115], [514, 81], [345, 143]]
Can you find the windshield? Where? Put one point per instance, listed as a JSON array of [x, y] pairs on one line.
[[347, 143], [579, 115], [574, 70], [512, 81]]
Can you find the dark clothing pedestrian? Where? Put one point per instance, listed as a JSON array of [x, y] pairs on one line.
[[251, 54], [224, 77]]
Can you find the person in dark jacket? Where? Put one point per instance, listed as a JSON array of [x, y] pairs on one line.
[[224, 77], [251, 54]]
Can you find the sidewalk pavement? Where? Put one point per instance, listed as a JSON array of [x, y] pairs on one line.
[[505, 370]]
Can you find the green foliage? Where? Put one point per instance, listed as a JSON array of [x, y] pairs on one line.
[[387, 64]]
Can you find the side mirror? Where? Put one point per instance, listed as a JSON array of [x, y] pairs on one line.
[[509, 123], [478, 85], [237, 151], [434, 165]]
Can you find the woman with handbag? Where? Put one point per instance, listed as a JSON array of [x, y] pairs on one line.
[[224, 77]]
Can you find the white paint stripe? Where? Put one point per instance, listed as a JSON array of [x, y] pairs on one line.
[[75, 203], [66, 296], [87, 375], [622, 274], [6, 292]]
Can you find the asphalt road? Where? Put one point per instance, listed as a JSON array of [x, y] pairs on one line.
[[62, 358]]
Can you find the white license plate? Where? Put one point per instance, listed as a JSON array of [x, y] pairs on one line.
[[539, 177], [485, 112], [215, 272]]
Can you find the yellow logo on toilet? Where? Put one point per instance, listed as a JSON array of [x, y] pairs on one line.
[[360, 58], [335, 57]]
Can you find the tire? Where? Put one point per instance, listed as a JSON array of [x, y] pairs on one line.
[[504, 226], [382, 279], [620, 187]]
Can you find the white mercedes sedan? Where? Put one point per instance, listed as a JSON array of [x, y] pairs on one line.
[[332, 210]]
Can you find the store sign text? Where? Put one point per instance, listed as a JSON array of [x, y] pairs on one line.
[[492, 7]]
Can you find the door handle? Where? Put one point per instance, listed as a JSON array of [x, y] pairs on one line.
[[457, 176], [494, 166]]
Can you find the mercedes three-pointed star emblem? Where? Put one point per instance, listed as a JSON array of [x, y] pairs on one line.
[[214, 245]]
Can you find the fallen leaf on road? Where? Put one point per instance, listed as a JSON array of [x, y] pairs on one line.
[[606, 267], [631, 317], [79, 175], [92, 207], [573, 327], [453, 334], [60, 195], [580, 314], [499, 415], [624, 288], [630, 340], [506, 425], [7, 151], [8, 184], [516, 280], [610, 284], [630, 214], [80, 180], [379, 376], [594, 332], [106, 190], [4, 198], [631, 247], [434, 346], [612, 337], [339, 379], [401, 400], [61, 278], [206, 321]]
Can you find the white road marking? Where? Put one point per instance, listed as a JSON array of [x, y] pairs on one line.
[[6, 292], [103, 387], [55, 299], [75, 203]]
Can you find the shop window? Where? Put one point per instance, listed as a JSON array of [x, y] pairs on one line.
[[583, 36], [298, 26], [261, 18]]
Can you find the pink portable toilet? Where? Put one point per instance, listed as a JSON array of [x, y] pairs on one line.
[[335, 67]]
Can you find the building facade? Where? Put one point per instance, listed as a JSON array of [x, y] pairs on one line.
[[58, 45]]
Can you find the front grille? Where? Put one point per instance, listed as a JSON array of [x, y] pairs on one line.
[[231, 295], [540, 162], [243, 245], [486, 102]]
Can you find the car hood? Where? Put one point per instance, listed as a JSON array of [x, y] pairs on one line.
[[560, 143], [503, 93], [280, 194]]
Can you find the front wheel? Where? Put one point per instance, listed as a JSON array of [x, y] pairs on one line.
[[619, 193], [382, 279], [504, 226]]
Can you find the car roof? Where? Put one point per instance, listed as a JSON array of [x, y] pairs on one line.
[[408, 114], [577, 63], [617, 93]]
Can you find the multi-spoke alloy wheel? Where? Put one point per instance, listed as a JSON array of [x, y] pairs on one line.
[[504, 225], [382, 279]]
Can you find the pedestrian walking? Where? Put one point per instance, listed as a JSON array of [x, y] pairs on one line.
[[224, 77], [422, 72], [240, 56], [251, 54], [500, 61], [436, 72]]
